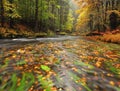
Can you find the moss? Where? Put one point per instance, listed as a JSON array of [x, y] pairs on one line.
[[63, 33]]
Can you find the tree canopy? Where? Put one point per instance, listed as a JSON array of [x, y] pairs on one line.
[[98, 14], [61, 15], [41, 15]]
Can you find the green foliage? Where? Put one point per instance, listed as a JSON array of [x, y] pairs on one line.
[[112, 68], [28, 79], [117, 88], [21, 62], [69, 23], [58, 6], [80, 63], [50, 33], [14, 82], [10, 10], [45, 68], [76, 79], [26, 82], [63, 33], [6, 63], [46, 83], [40, 34], [51, 15]]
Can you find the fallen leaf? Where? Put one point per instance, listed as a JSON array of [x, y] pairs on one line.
[[112, 83], [98, 64]]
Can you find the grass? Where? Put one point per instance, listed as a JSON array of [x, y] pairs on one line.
[[80, 63], [79, 81], [14, 84], [112, 68], [45, 83]]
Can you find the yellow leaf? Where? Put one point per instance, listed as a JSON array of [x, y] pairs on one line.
[[83, 80], [109, 74], [14, 56], [74, 69], [20, 51], [112, 83], [96, 52], [98, 64]]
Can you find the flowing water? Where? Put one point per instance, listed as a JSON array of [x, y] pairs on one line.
[[76, 64]]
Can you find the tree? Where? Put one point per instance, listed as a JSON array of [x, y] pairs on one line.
[[95, 14], [69, 22], [36, 14], [11, 11], [2, 13], [40, 15]]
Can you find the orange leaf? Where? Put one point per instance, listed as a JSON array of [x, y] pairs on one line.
[[112, 83]]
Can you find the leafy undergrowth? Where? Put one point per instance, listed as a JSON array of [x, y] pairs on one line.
[[12, 33], [111, 37], [30, 67], [21, 31]]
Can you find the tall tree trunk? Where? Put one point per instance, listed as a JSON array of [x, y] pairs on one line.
[[2, 13], [48, 21], [61, 15], [91, 22], [36, 15], [53, 20], [41, 20], [11, 21]]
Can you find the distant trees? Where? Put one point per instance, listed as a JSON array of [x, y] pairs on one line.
[[69, 22], [44, 15], [40, 15], [98, 14]]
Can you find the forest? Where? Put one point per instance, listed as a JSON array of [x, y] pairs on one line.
[[59, 45], [37, 15], [52, 16]]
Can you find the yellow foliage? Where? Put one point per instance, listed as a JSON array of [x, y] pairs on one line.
[[83, 17], [4, 32]]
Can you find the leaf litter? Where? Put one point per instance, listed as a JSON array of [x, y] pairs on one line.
[[70, 65]]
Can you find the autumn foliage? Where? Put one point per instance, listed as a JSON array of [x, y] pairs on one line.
[[114, 38], [108, 36], [20, 31]]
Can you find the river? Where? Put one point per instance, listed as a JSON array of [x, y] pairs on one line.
[[76, 64]]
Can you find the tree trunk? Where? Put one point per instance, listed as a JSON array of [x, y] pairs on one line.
[[53, 20], [113, 20], [36, 15], [11, 21], [41, 12], [2, 13]]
